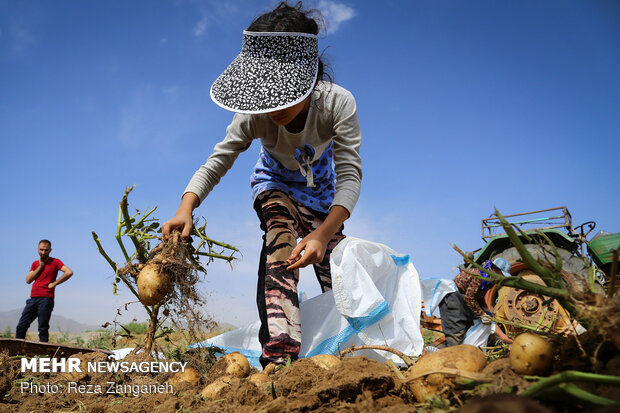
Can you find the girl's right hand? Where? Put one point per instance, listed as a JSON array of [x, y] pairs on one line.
[[183, 219]]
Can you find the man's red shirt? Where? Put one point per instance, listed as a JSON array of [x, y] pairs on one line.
[[48, 275]]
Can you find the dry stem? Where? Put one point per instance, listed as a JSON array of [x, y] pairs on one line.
[[408, 361]]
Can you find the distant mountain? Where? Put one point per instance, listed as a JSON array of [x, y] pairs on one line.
[[67, 325], [57, 323]]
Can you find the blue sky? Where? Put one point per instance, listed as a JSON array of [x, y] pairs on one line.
[[464, 106]]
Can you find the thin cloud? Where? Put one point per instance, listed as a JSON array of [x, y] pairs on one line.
[[335, 14], [20, 38], [226, 8], [216, 10], [200, 28], [156, 115]]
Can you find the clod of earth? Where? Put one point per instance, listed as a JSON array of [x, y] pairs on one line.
[[503, 403], [5, 374]]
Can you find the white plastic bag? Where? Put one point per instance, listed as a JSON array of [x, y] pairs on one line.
[[376, 300], [479, 333], [244, 340], [433, 291]]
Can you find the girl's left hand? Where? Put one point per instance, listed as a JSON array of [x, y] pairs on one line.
[[313, 246]]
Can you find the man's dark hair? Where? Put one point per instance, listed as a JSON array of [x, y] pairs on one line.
[[46, 241]]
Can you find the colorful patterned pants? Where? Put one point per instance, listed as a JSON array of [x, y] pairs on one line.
[[284, 220]]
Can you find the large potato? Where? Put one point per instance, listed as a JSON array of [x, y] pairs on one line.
[[326, 361], [214, 389], [76, 375], [233, 364], [190, 375], [153, 284], [531, 354], [260, 380], [463, 357]]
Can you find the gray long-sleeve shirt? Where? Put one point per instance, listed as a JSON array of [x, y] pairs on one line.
[[332, 117]]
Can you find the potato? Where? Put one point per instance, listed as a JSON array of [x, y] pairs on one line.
[[214, 389], [462, 357], [76, 376], [531, 354], [326, 361], [233, 364], [260, 380], [269, 368], [153, 284], [190, 375]]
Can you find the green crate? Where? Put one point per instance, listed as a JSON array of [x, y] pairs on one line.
[[601, 248]]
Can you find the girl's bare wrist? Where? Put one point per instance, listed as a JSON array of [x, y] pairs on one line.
[[325, 234], [184, 212], [188, 203]]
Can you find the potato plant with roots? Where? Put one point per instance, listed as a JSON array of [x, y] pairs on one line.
[[163, 278]]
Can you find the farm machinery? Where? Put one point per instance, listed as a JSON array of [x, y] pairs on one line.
[[548, 234]]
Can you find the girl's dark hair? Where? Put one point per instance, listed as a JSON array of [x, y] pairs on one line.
[[287, 18]]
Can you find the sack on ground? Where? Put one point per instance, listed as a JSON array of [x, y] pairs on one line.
[[376, 300]]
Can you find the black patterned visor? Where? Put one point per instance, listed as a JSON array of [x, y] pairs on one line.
[[273, 71]]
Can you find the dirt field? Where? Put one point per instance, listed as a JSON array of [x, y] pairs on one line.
[[356, 385]]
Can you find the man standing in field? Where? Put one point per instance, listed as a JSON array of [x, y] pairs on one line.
[[41, 302]]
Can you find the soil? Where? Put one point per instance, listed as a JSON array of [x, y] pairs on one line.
[[358, 384]]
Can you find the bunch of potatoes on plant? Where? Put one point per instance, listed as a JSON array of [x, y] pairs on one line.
[[164, 278], [167, 268]]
